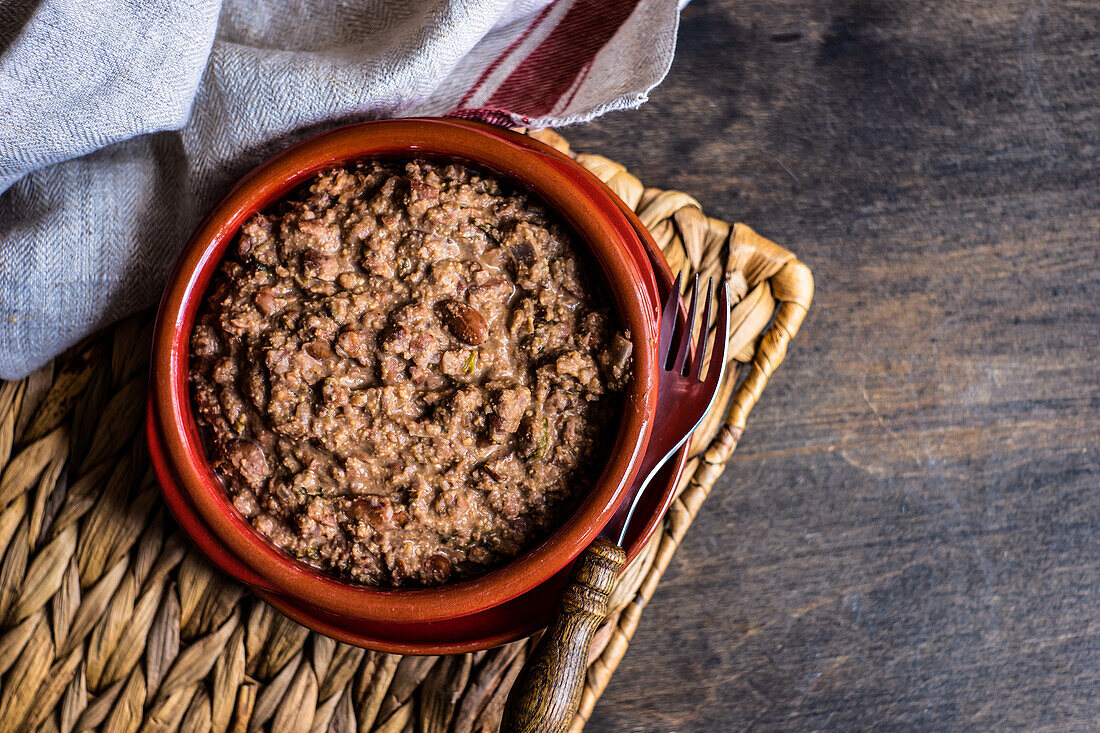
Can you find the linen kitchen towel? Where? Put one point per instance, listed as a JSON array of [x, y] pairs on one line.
[[123, 122]]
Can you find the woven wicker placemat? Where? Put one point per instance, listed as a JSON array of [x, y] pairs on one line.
[[109, 620]]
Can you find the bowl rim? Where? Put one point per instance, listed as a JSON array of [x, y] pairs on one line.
[[572, 193]]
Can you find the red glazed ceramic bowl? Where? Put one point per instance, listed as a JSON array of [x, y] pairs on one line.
[[507, 622], [601, 228]]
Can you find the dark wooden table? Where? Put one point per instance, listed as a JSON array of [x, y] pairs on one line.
[[909, 534]]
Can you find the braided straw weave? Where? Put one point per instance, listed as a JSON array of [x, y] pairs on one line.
[[109, 620]]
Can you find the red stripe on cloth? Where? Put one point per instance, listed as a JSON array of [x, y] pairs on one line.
[[547, 73], [498, 117], [578, 84], [507, 52]]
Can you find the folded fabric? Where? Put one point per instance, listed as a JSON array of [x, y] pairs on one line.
[[122, 123]]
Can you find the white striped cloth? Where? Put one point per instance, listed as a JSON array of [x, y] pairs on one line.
[[122, 122]]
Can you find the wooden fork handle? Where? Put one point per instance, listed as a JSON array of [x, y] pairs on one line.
[[547, 691]]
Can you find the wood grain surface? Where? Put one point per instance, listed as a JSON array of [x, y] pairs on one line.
[[908, 537]]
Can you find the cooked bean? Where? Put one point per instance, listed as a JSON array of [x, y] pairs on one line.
[[464, 322]]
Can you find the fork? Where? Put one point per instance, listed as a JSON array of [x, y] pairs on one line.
[[546, 693]]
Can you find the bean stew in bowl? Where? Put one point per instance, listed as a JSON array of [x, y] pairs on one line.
[[403, 374], [405, 371]]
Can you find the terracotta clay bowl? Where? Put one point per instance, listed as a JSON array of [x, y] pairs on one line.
[[488, 628], [624, 274]]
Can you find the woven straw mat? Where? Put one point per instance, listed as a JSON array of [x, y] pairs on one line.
[[110, 620]]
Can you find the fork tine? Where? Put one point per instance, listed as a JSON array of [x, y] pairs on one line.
[[668, 323], [722, 337], [704, 331], [685, 336]]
